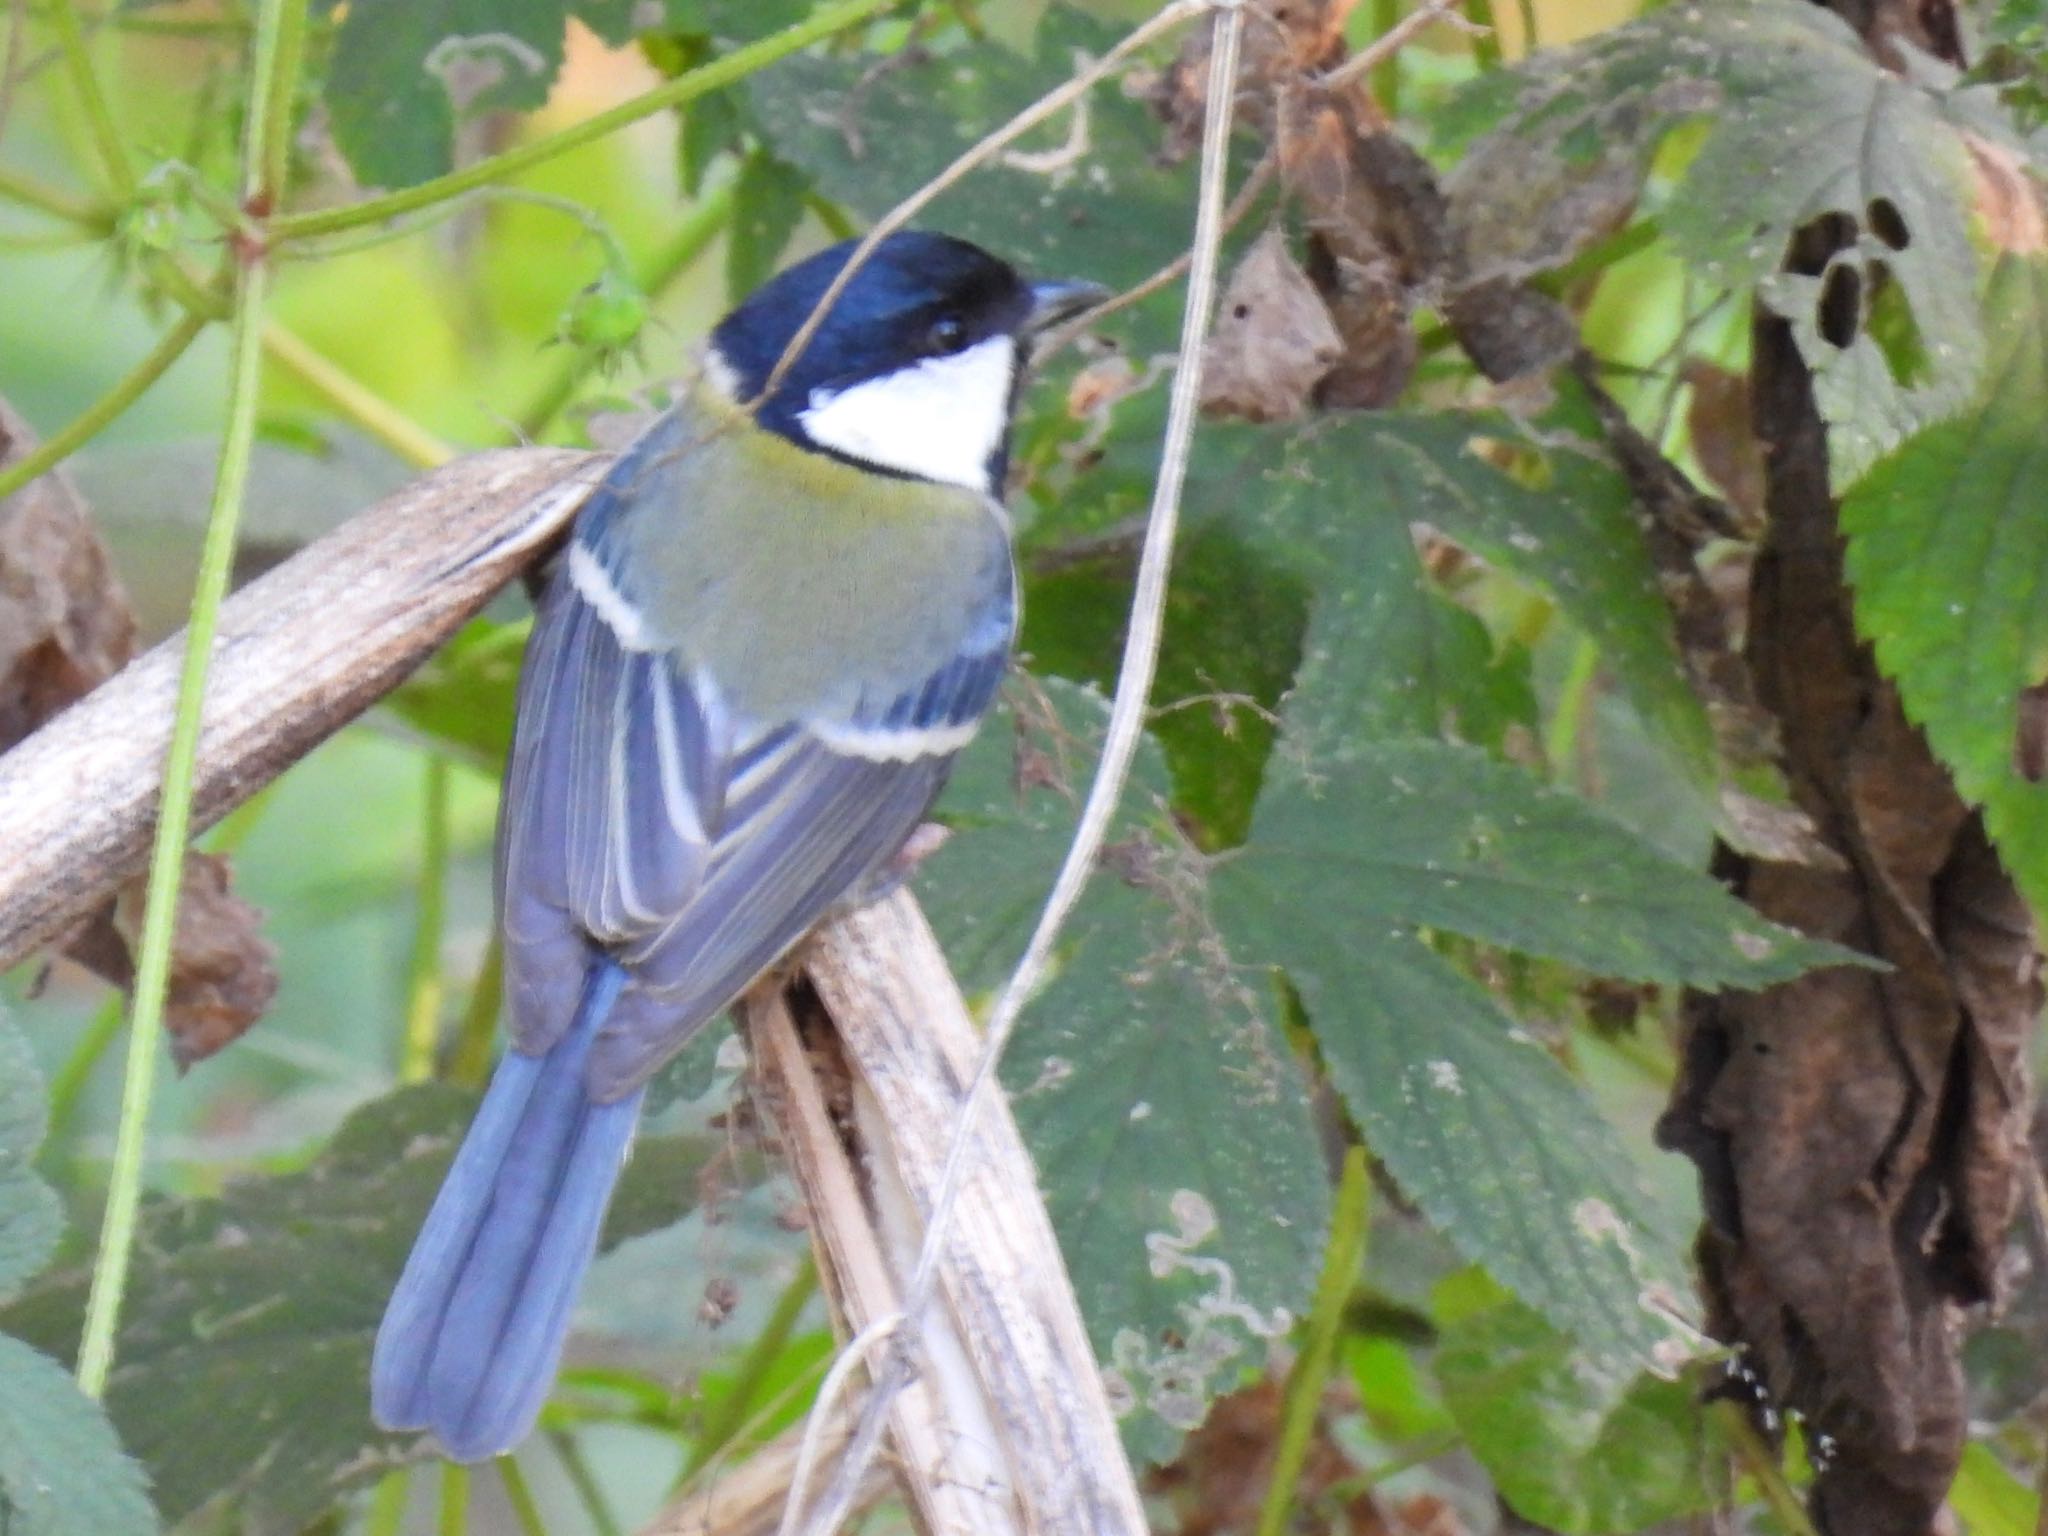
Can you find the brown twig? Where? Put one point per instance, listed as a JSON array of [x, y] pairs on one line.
[[301, 652]]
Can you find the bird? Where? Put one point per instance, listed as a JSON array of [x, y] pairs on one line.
[[777, 620]]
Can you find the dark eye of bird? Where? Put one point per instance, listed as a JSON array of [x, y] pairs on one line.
[[948, 334]]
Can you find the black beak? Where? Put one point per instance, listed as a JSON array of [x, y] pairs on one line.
[[1062, 299]]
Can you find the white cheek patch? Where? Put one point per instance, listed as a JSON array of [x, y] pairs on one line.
[[938, 419]]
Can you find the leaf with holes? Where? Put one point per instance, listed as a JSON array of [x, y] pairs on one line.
[[1948, 556], [1168, 1118], [245, 1344], [1804, 123]]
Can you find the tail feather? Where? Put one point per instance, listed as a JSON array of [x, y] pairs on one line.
[[475, 1328]]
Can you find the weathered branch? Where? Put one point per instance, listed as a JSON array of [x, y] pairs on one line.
[[746, 1499], [1007, 1427], [302, 651]]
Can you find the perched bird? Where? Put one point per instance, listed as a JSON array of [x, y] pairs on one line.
[[778, 619]]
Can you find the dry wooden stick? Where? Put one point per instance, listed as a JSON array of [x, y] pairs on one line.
[[864, 1082], [302, 651], [746, 1499]]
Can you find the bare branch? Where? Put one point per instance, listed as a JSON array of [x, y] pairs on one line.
[[1007, 1427], [301, 652]]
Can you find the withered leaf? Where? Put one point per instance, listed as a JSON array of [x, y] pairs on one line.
[[66, 627], [1273, 339], [65, 624]]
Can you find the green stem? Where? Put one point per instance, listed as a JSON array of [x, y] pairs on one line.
[[78, 62], [471, 1062], [288, 53], [82, 428], [174, 814], [712, 212], [1568, 719], [387, 1504], [601, 1517], [1528, 10], [724, 1424], [359, 404], [1761, 1462], [519, 1494], [716, 75], [453, 1519], [1485, 43], [425, 987], [1386, 75], [31, 193], [828, 213], [76, 1072], [1311, 1373]]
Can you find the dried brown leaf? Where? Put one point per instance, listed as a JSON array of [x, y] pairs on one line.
[[1717, 420], [65, 623], [2010, 201], [1273, 339], [65, 628]]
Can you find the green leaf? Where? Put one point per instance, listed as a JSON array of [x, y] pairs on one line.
[[1572, 1445], [1948, 555], [1341, 494], [768, 204], [243, 1367], [1805, 123], [464, 696], [873, 132], [30, 1217], [1990, 1500], [62, 1472], [1504, 1151], [405, 72], [1168, 1118], [1423, 832], [1234, 618]]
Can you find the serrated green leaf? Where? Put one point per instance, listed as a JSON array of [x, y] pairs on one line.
[[1232, 637], [243, 1367], [1948, 556], [1500, 1147], [1504, 1153], [1343, 492], [1390, 833], [1168, 1119], [768, 204], [1571, 1445], [1385, 655], [1805, 123], [30, 1217], [404, 72], [62, 1472]]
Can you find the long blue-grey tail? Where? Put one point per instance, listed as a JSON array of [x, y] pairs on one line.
[[474, 1331]]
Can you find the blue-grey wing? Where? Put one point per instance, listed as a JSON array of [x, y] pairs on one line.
[[642, 820], [611, 805]]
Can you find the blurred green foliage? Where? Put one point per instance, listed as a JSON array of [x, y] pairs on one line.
[[1360, 877]]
